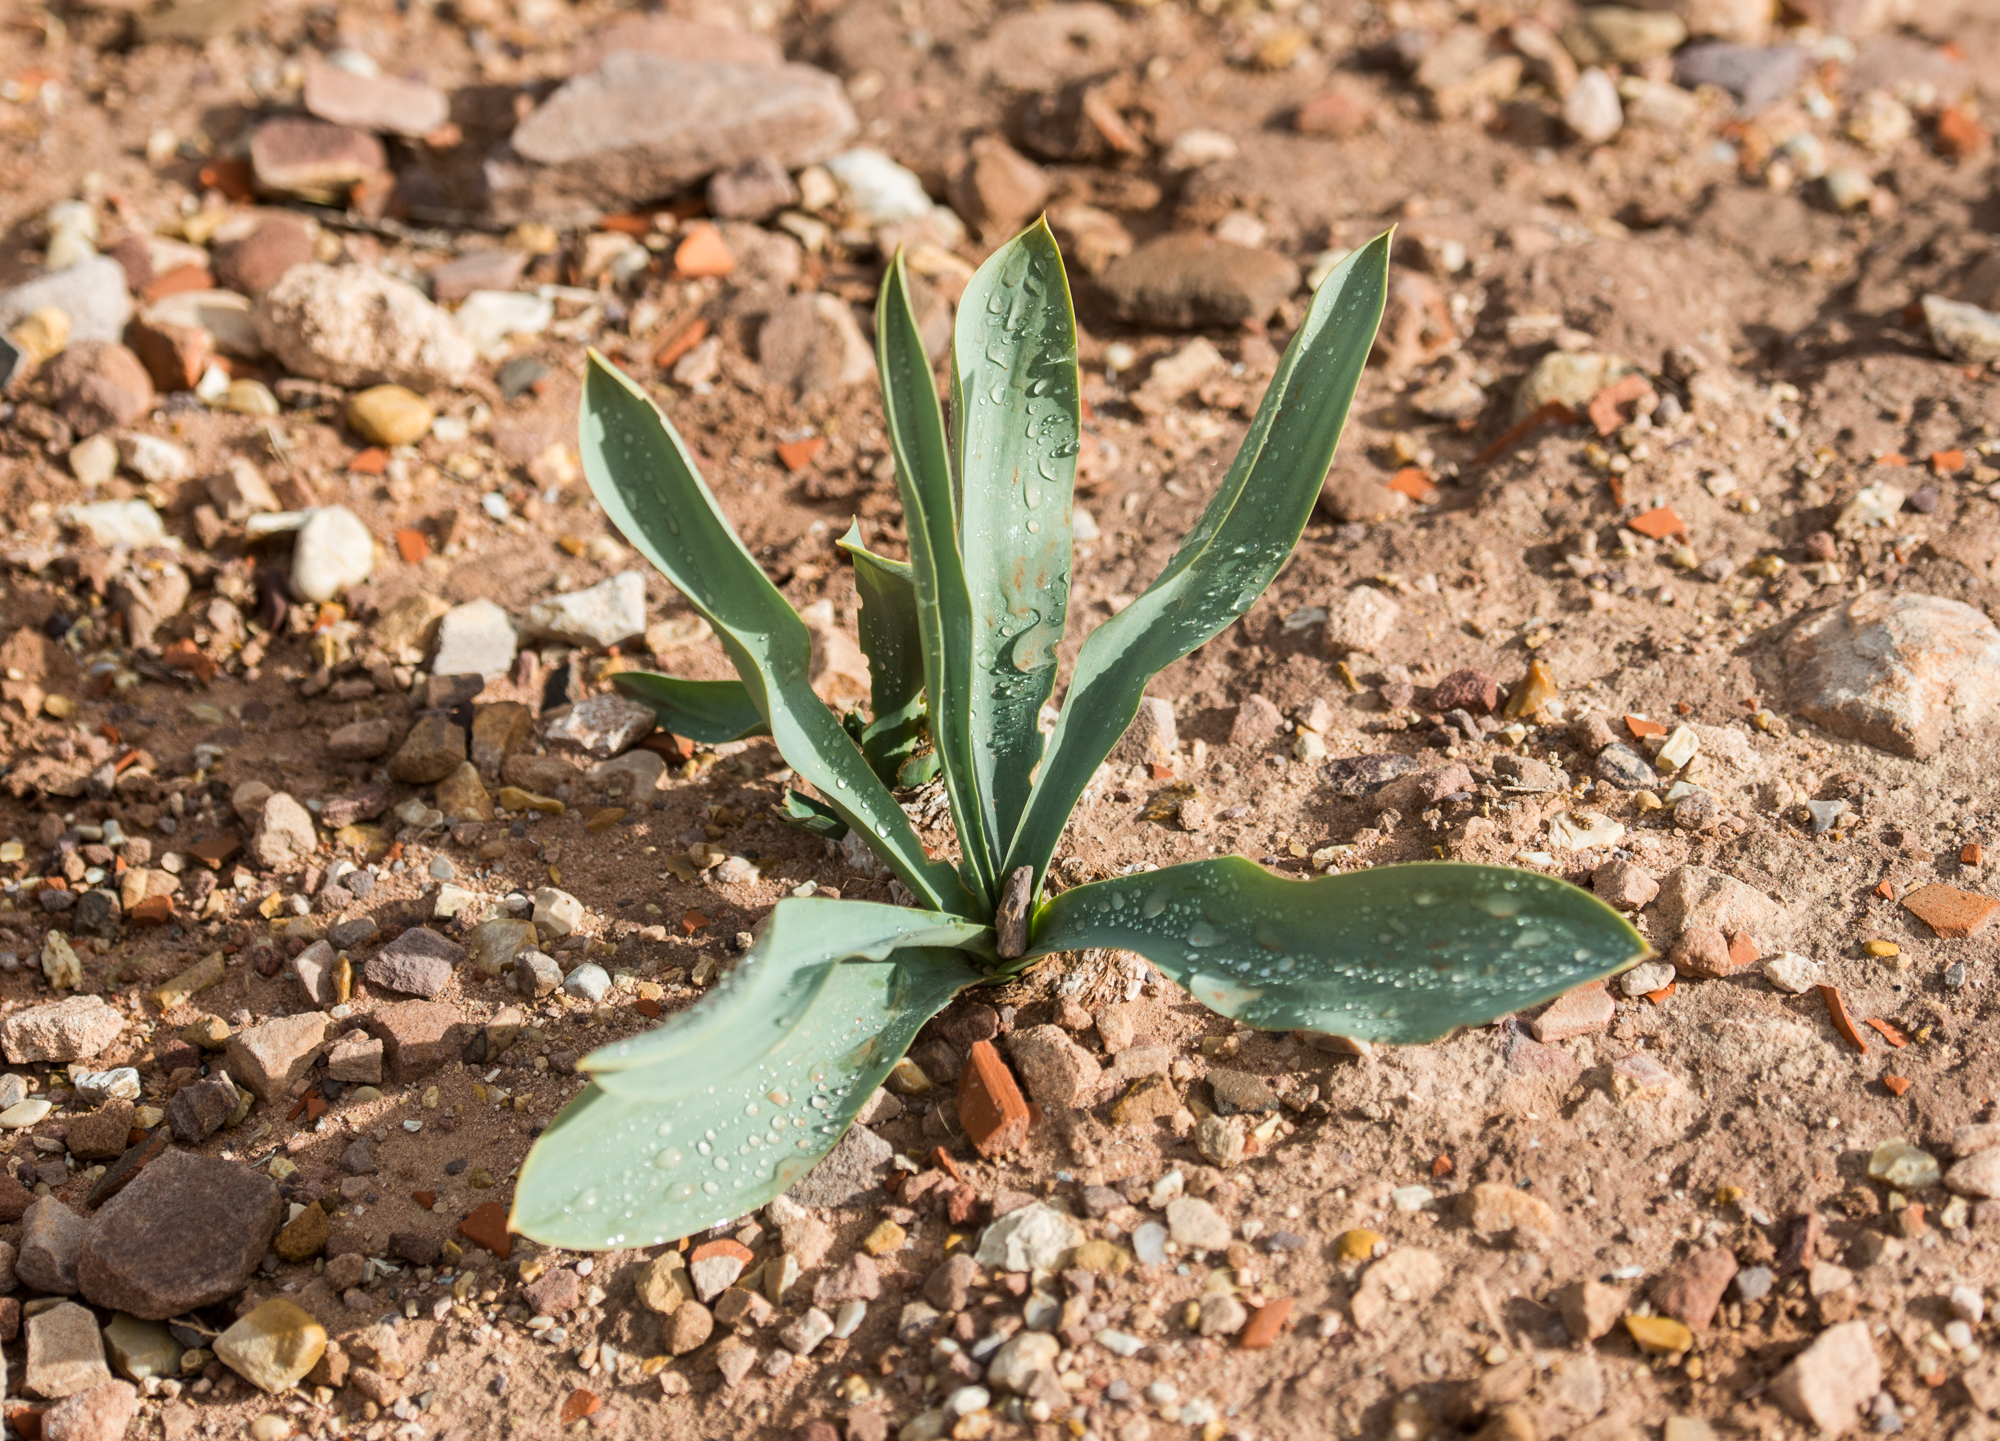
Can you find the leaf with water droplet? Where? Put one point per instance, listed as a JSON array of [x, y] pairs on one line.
[[1016, 462], [596, 1180], [643, 476], [1249, 528], [708, 712], [1401, 954]]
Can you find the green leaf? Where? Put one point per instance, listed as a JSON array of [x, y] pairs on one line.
[[1241, 542], [647, 484], [813, 817], [944, 606], [707, 712], [891, 640], [1016, 423], [1401, 954], [760, 999], [731, 1102]]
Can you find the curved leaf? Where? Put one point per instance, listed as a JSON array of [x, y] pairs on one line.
[[944, 607], [759, 1001], [1016, 420], [707, 712], [802, 812], [647, 484], [895, 649], [1401, 954], [1241, 542], [623, 1171]]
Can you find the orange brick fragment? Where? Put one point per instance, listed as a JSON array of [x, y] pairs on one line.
[[703, 253], [1441, 1167], [1265, 1324], [413, 546], [1974, 854], [990, 1105], [1658, 524], [1892, 458], [692, 335], [1641, 727], [648, 1008], [372, 461], [721, 1246], [185, 655], [1887, 1032], [637, 226], [1742, 950], [1413, 482], [1959, 136], [1663, 994], [798, 454], [692, 921], [231, 177], [1954, 914], [487, 1227], [178, 281], [1897, 1084], [1947, 462], [1618, 402], [1886, 889], [426, 1199], [1836, 1009], [579, 1404]]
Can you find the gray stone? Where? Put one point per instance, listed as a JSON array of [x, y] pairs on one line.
[[1197, 1225], [51, 1236], [1362, 618], [314, 967], [270, 1057], [284, 839], [537, 974], [588, 982], [1902, 672], [1189, 280], [476, 638], [356, 327], [1758, 76], [73, 1029], [604, 142], [187, 1232], [603, 725], [386, 103], [1828, 1383], [847, 1173], [292, 155], [92, 295], [1619, 765], [418, 963], [197, 1111], [753, 189], [1591, 109], [1034, 1238], [607, 613]]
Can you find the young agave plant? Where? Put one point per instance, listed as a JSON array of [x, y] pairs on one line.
[[729, 1103]]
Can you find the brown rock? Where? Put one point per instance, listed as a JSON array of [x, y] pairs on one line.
[[1692, 1289], [103, 1134], [477, 270], [417, 1037], [196, 1112], [305, 1236], [51, 1235], [999, 190], [1624, 885], [557, 1292], [252, 263], [1257, 723], [175, 356], [1340, 113], [1702, 951], [1493, 1209], [1898, 670], [362, 740], [1060, 1074], [990, 1106], [1590, 1309], [1828, 1383], [385, 103], [268, 1058], [432, 750], [462, 797], [487, 1225], [1467, 690], [689, 1326], [103, 1413], [418, 963], [98, 385], [1585, 1010], [187, 1232], [498, 730], [312, 158], [1352, 494]]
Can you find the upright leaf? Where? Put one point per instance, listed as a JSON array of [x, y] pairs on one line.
[[944, 606], [1241, 542], [1401, 954], [1016, 424], [641, 1170], [708, 712], [891, 640], [647, 484]]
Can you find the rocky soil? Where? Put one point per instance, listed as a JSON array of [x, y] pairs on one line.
[[1662, 554]]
